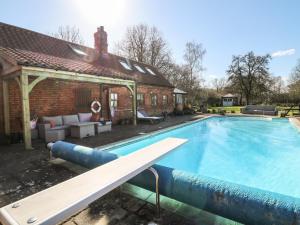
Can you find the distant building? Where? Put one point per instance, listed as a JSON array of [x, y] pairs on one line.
[[229, 100]]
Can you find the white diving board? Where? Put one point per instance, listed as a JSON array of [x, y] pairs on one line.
[[63, 200]]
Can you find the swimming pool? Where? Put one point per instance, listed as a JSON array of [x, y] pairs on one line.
[[242, 168], [262, 153]]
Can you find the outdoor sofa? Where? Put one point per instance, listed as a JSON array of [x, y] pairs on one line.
[[54, 128], [143, 116], [260, 110]]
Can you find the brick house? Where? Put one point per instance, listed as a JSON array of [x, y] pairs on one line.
[[45, 76]]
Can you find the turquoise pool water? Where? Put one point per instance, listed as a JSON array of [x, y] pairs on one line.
[[256, 152]]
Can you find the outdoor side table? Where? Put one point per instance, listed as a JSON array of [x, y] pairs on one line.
[[100, 128], [81, 130], [54, 135]]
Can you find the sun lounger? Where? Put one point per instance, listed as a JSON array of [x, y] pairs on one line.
[[143, 116], [61, 201]]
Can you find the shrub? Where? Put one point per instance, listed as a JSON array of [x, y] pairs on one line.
[[208, 111], [232, 111], [213, 111], [222, 112]]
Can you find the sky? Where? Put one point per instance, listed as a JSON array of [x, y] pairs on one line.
[[224, 27]]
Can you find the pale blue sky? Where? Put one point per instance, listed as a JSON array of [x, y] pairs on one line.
[[225, 27]]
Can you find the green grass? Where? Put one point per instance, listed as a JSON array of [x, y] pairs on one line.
[[236, 109], [228, 109]]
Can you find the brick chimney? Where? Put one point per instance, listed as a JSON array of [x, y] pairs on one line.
[[100, 38]]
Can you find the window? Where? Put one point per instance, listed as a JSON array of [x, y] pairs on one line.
[[153, 100], [78, 51], [164, 100], [125, 65], [179, 99], [113, 100], [83, 98], [140, 99], [150, 71], [139, 68]]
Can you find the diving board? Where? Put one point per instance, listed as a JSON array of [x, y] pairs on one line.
[[61, 201]]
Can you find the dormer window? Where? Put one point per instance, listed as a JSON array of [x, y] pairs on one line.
[[150, 71], [78, 51], [125, 65], [139, 68]]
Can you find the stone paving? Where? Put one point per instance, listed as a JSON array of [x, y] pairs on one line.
[[23, 173]]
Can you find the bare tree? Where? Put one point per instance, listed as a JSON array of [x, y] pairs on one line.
[[193, 56], [219, 84], [193, 67], [145, 44], [250, 74], [67, 33], [294, 83]]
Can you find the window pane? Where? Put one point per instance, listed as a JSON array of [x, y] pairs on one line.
[[165, 99], [125, 65], [139, 68], [153, 100], [140, 99], [114, 100], [150, 71]]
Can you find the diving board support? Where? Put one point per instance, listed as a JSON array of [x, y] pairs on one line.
[[157, 201], [61, 201]]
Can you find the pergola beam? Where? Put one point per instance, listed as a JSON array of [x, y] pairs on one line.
[[49, 73]]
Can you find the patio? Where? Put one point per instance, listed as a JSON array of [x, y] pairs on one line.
[[23, 173]]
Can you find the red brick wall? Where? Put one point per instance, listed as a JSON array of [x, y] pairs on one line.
[[56, 97], [147, 90], [48, 98]]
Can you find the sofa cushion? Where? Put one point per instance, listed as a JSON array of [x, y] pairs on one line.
[[85, 117], [57, 120], [69, 119]]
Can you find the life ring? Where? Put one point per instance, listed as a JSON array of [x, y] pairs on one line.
[[96, 103]]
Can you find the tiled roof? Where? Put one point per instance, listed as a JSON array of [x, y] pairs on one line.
[[28, 58], [34, 49]]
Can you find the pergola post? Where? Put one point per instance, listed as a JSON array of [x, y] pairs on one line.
[[25, 110], [134, 105], [6, 108]]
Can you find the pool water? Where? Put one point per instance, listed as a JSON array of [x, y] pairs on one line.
[[258, 152]]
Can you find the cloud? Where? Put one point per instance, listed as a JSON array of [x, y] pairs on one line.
[[286, 52]]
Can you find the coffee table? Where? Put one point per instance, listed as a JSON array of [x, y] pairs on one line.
[[81, 130]]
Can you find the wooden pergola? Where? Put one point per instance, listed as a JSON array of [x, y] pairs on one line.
[[21, 74]]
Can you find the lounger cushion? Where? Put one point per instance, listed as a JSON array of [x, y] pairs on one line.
[[56, 119], [85, 117], [140, 115], [69, 119]]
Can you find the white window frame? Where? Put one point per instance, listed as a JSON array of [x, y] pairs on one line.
[[113, 100], [165, 100], [156, 100], [140, 101]]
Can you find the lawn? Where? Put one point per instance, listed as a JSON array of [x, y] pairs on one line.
[[228, 109], [236, 109]]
